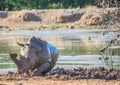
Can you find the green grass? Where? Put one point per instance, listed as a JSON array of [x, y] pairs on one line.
[[72, 64], [7, 66]]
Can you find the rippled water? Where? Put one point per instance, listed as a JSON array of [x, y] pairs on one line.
[[76, 47]]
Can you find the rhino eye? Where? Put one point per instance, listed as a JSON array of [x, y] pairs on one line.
[[28, 59], [30, 45], [37, 53]]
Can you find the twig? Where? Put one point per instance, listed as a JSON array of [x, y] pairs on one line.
[[112, 41]]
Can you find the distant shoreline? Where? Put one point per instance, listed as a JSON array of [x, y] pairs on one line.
[[60, 19]]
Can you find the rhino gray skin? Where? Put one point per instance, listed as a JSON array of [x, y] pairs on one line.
[[36, 57]]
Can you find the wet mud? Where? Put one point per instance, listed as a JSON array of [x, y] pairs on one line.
[[70, 74], [85, 73]]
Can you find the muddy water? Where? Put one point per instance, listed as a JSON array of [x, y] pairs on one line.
[[76, 47]]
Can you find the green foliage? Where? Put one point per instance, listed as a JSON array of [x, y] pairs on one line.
[[6, 5]]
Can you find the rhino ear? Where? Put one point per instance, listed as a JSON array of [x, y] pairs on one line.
[[20, 44], [33, 40]]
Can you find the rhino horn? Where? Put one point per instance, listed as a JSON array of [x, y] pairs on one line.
[[13, 57], [20, 44]]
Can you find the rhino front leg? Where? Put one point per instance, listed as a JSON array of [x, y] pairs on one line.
[[42, 68]]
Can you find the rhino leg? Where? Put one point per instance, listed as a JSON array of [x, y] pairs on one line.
[[41, 69]]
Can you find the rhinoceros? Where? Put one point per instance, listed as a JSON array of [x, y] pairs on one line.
[[37, 57]]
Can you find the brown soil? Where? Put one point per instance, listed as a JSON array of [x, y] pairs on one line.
[[45, 81], [60, 76], [62, 18]]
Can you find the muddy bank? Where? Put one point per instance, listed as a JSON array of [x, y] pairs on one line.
[[72, 74], [85, 73], [62, 18], [58, 76]]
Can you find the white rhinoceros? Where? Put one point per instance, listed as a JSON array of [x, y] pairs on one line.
[[37, 57]]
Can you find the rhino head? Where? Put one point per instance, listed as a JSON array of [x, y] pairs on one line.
[[28, 55], [22, 66]]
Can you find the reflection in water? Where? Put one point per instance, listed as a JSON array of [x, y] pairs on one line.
[[85, 44]]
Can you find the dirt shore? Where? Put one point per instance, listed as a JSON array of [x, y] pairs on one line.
[[60, 76], [45, 81]]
